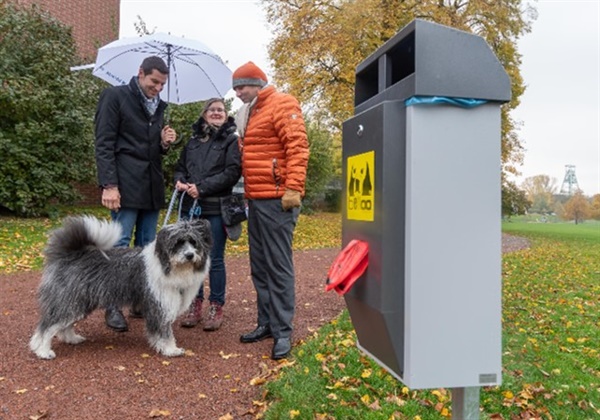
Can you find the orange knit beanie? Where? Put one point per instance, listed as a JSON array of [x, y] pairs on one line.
[[249, 75]]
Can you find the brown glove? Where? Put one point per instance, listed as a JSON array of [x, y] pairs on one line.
[[290, 199]]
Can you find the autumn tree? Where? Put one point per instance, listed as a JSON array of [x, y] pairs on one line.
[[514, 200], [595, 207], [317, 45], [540, 190], [577, 208]]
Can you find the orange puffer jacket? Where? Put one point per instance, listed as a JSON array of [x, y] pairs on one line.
[[275, 146]]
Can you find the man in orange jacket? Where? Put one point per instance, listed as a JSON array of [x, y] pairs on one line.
[[274, 161]]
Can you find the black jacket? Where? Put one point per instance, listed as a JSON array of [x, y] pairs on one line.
[[128, 149], [212, 161]]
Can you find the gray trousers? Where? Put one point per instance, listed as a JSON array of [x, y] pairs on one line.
[[270, 235]]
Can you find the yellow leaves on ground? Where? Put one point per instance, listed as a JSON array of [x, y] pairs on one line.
[[228, 356], [21, 243], [267, 372]]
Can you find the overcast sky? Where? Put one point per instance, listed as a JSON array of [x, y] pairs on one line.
[[560, 110]]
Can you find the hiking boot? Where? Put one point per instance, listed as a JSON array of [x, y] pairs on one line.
[[215, 317], [194, 315]]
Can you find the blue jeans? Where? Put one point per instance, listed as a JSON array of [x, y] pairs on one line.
[[144, 222], [217, 275]]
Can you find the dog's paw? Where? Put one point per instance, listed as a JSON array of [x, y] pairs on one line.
[[75, 339], [70, 337], [173, 352], [46, 355]]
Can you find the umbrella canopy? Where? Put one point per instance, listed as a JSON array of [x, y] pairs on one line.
[[196, 73]]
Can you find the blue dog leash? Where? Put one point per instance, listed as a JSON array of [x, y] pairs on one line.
[[194, 211]]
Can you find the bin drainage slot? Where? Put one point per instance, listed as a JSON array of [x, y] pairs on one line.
[[347, 267]]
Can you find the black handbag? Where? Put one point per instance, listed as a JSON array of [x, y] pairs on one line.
[[233, 209]]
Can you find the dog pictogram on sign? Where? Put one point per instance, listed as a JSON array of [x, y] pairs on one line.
[[361, 183]]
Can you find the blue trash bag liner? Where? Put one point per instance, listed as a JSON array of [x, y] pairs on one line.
[[436, 100]]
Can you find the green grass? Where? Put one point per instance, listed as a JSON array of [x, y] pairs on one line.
[[551, 342], [565, 231], [22, 240]]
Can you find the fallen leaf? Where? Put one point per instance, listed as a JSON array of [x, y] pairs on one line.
[[394, 399], [40, 415], [228, 356], [21, 391], [159, 413], [257, 381], [375, 405]]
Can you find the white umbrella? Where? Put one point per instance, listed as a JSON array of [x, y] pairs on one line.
[[196, 73]]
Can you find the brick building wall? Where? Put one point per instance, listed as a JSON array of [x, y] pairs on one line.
[[94, 23]]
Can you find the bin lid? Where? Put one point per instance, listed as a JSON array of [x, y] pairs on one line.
[[428, 59]]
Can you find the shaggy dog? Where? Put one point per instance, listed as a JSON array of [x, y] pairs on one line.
[[83, 272]]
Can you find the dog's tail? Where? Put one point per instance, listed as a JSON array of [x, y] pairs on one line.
[[78, 233]]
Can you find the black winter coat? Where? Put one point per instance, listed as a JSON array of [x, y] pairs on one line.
[[128, 149], [213, 163]]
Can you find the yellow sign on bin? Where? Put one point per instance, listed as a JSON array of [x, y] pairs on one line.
[[361, 187]]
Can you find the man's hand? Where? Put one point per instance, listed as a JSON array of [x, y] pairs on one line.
[[167, 136], [291, 199], [111, 198]]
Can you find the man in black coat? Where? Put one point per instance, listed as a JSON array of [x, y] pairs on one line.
[[131, 138]]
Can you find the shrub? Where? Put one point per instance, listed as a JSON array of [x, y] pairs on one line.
[[46, 113]]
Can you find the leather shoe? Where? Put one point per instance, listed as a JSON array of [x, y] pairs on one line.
[[260, 333], [281, 348], [114, 319]]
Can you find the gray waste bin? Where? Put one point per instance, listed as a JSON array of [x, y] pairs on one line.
[[422, 167]]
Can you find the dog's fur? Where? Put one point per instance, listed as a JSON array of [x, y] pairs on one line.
[[83, 271]]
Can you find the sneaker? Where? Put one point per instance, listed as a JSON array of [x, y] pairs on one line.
[[194, 315], [215, 317]]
